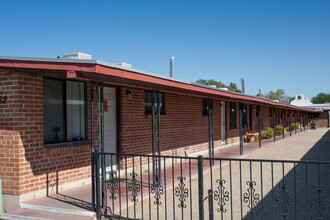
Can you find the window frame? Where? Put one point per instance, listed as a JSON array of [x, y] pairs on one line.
[[64, 90], [232, 105], [162, 112]]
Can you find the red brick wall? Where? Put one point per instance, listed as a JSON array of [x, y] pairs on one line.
[[322, 121], [183, 124], [9, 139], [25, 163]]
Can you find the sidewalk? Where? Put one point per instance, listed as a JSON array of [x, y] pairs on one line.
[[76, 203]]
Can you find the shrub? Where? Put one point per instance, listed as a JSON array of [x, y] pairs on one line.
[[279, 130], [293, 127], [267, 133]]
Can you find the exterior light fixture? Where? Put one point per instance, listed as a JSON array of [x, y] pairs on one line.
[[129, 93]]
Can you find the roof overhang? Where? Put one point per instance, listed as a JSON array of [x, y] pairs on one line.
[[119, 75]]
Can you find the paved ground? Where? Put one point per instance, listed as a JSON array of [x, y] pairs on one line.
[[308, 145], [287, 185]]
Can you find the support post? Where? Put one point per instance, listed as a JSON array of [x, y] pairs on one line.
[[212, 120], [307, 116], [283, 122], [274, 117], [300, 119], [154, 170], [200, 188], [92, 143], [102, 141], [240, 128], [210, 139], [259, 123], [158, 129], [290, 128], [295, 127], [211, 130]]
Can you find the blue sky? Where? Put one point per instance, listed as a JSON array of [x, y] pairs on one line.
[[271, 43]]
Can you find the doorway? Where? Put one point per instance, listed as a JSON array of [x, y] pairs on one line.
[[110, 126]]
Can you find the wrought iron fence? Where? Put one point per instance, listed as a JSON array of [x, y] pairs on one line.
[[205, 188]]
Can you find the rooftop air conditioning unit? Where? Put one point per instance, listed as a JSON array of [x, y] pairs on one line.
[[124, 64], [77, 55]]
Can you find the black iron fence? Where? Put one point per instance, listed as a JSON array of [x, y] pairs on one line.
[[170, 187]]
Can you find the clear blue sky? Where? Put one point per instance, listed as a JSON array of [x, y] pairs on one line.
[[271, 43]]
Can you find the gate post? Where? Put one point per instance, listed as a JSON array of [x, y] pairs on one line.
[[200, 188], [210, 195]]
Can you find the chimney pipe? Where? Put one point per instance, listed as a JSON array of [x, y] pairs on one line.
[[171, 67], [259, 92], [243, 91]]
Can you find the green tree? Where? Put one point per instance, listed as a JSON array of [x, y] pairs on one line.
[[232, 86], [278, 95], [321, 98]]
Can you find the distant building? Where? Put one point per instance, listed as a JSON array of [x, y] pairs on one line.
[[322, 118]]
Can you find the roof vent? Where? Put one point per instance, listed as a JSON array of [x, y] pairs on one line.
[[77, 55], [124, 64]]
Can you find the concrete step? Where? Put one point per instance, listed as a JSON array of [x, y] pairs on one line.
[[36, 212]]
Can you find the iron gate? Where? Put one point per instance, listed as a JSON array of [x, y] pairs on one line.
[[193, 188]]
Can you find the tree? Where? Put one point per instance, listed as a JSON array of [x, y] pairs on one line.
[[278, 95], [232, 86], [321, 98]]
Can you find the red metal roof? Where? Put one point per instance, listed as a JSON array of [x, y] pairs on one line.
[[94, 67]]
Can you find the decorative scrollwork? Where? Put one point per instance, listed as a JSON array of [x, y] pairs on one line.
[[112, 184], [181, 192], [284, 200], [222, 195], [251, 197], [320, 204], [134, 187], [158, 190]]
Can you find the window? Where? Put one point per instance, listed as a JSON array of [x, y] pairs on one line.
[[270, 112], [316, 115], [64, 111], [147, 102], [232, 115], [205, 107]]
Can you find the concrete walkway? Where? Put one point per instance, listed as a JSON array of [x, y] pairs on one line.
[[79, 200]]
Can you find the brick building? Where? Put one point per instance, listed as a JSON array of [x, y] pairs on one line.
[[46, 133]]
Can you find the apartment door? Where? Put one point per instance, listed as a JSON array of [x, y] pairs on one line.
[[110, 125], [223, 123]]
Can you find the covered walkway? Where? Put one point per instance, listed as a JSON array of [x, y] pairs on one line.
[[76, 203]]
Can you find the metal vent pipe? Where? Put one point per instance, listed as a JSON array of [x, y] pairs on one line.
[[243, 90], [171, 67]]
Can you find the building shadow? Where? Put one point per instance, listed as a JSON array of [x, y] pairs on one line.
[[302, 193]]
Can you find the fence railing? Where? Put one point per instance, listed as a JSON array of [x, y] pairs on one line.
[[131, 186]]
